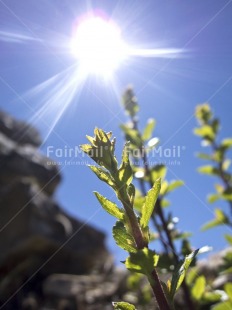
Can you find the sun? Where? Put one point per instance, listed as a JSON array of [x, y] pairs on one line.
[[98, 46]]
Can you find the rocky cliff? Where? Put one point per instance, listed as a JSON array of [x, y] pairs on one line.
[[37, 237]]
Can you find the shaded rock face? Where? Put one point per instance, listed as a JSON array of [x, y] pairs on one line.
[[18, 131], [37, 237], [18, 162]]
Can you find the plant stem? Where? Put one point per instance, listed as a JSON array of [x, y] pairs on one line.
[[139, 240], [158, 291], [132, 219]]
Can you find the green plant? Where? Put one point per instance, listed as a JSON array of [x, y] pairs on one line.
[[219, 164], [131, 232], [142, 145]]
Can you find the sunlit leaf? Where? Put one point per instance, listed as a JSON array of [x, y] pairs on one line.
[[208, 170], [180, 272], [211, 297], [204, 156], [148, 130], [227, 143], [123, 238], [206, 131], [191, 275], [164, 187], [213, 198], [132, 135], [143, 261], [198, 288], [203, 113], [228, 238], [225, 305], [219, 188], [110, 206], [103, 175], [228, 290], [149, 203], [220, 219], [123, 306], [125, 173], [165, 203], [174, 184]]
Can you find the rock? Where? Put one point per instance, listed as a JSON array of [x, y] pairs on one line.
[[19, 131], [86, 292], [36, 231], [18, 162], [37, 237]]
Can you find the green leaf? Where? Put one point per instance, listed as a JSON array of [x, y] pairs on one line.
[[174, 184], [123, 238], [149, 203], [226, 143], [204, 156], [102, 149], [198, 288], [203, 113], [210, 224], [123, 306], [164, 188], [165, 203], [220, 219], [208, 170], [180, 272], [206, 131], [125, 173], [225, 305], [211, 297], [191, 275], [228, 238], [228, 290], [110, 206], [103, 175], [132, 135], [213, 198], [143, 261], [148, 130]]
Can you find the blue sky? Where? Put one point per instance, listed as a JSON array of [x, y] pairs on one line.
[[34, 47]]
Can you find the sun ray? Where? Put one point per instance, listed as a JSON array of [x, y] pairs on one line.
[[55, 96]]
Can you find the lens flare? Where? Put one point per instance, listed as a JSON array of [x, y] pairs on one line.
[[98, 46]]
